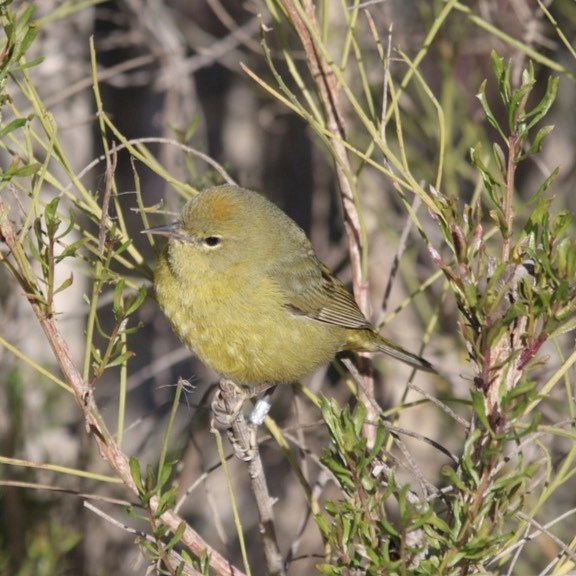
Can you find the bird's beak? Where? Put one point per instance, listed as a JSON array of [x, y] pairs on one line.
[[171, 230]]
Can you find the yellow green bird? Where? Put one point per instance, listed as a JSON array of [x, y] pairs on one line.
[[243, 288]]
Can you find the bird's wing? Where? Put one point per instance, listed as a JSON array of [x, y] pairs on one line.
[[312, 290]]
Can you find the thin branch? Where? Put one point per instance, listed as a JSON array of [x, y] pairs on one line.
[[154, 140], [111, 163], [187, 570], [399, 251]]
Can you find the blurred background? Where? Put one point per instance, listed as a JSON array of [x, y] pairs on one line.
[[172, 70]]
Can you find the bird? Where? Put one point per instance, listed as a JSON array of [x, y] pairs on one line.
[[244, 290]]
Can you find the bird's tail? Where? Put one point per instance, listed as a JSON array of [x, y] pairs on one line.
[[384, 345]]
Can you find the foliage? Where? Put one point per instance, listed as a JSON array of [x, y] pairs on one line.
[[497, 281]]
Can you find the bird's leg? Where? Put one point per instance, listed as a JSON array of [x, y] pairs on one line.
[[227, 414], [230, 398], [227, 404]]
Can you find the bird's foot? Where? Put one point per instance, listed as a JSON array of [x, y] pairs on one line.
[[227, 415], [226, 410]]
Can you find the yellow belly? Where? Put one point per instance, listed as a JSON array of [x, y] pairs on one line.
[[246, 334]]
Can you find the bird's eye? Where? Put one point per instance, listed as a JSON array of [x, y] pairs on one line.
[[212, 241]]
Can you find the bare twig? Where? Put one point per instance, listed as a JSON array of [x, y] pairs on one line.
[[399, 251], [172, 554], [323, 477], [328, 92], [154, 140], [539, 530], [111, 163]]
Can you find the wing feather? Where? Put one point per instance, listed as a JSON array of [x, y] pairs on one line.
[[312, 290]]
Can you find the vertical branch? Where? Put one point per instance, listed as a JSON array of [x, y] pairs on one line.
[[513, 150], [327, 89], [308, 29]]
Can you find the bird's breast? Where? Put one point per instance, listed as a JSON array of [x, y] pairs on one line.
[[243, 329]]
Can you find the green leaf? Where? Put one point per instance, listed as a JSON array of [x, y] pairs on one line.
[[536, 145], [96, 354], [118, 300], [51, 217], [31, 63], [149, 480], [160, 531], [453, 478], [66, 284], [22, 22], [438, 523], [340, 471], [166, 501], [137, 301], [122, 248], [388, 528], [378, 442], [500, 159], [497, 63], [481, 96], [121, 359], [346, 530], [14, 172], [492, 184], [192, 128], [358, 418], [564, 328], [468, 465], [323, 524], [165, 474], [132, 513], [548, 182], [26, 42], [11, 126], [177, 536], [71, 249], [330, 412], [516, 109], [543, 107], [136, 473], [132, 329], [502, 74]]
